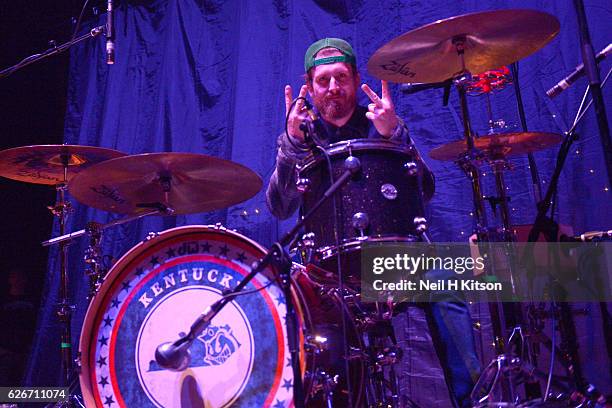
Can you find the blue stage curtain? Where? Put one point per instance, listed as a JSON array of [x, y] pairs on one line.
[[207, 77]]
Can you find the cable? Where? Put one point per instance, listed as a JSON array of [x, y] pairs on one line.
[[302, 149], [78, 23]]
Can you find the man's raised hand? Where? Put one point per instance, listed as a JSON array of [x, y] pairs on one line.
[[381, 111]]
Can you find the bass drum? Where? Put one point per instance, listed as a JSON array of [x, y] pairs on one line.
[[155, 292]]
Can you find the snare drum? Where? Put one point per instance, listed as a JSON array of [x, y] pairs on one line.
[[380, 203], [153, 295]]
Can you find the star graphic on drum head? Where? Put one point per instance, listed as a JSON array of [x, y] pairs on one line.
[[139, 271], [126, 286], [115, 303], [279, 404], [109, 401], [154, 260], [171, 253], [101, 361], [224, 250], [205, 247], [280, 300], [103, 341], [108, 321], [241, 257], [287, 384], [103, 381]]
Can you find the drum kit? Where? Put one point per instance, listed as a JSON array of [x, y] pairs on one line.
[[345, 349]]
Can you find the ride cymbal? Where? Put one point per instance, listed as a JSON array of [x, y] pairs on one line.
[[489, 40]]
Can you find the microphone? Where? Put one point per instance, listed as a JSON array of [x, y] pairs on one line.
[[174, 356], [313, 126], [577, 73], [110, 33], [587, 236]]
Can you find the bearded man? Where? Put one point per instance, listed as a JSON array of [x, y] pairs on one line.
[[332, 82]]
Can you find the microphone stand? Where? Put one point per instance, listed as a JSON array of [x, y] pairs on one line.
[[592, 71], [94, 32], [175, 355], [546, 225]]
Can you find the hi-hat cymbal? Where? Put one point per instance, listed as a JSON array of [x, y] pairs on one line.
[[499, 145], [186, 182], [490, 39], [44, 164]]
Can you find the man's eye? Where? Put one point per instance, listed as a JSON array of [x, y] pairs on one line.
[[323, 80]]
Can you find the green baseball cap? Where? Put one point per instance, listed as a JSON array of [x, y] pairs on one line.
[[337, 43]]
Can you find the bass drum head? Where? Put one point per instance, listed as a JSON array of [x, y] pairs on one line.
[[153, 295]]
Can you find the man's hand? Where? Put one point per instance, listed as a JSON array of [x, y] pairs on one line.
[[381, 111], [297, 115]]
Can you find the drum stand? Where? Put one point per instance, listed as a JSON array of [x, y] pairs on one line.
[[61, 209], [502, 371]]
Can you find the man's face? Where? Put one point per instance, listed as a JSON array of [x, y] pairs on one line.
[[334, 87]]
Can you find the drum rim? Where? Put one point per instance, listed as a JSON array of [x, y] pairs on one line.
[[355, 144], [86, 335]]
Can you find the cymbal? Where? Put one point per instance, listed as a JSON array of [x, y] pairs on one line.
[[186, 182], [499, 145], [44, 164], [491, 39]]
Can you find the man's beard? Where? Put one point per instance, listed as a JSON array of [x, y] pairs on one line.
[[335, 108]]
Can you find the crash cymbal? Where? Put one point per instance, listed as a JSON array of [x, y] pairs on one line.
[[499, 145], [490, 39], [44, 164], [186, 182]]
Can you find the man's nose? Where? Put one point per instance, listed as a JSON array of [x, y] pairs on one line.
[[333, 84]]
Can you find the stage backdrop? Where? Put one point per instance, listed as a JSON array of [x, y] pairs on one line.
[[207, 77]]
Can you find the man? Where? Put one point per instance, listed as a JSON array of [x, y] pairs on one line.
[[332, 82]]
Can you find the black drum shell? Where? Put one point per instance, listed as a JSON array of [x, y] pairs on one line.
[[384, 165]]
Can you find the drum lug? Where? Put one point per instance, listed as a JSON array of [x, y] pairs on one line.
[[420, 224], [302, 184], [360, 222], [77, 363], [306, 247], [315, 344], [411, 168], [151, 235]]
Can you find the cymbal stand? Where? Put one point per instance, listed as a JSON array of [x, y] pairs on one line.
[[61, 209], [93, 259], [469, 163]]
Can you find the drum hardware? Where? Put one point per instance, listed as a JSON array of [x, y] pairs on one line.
[[325, 383], [56, 165], [360, 222], [306, 248], [93, 259], [175, 356], [400, 61]]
